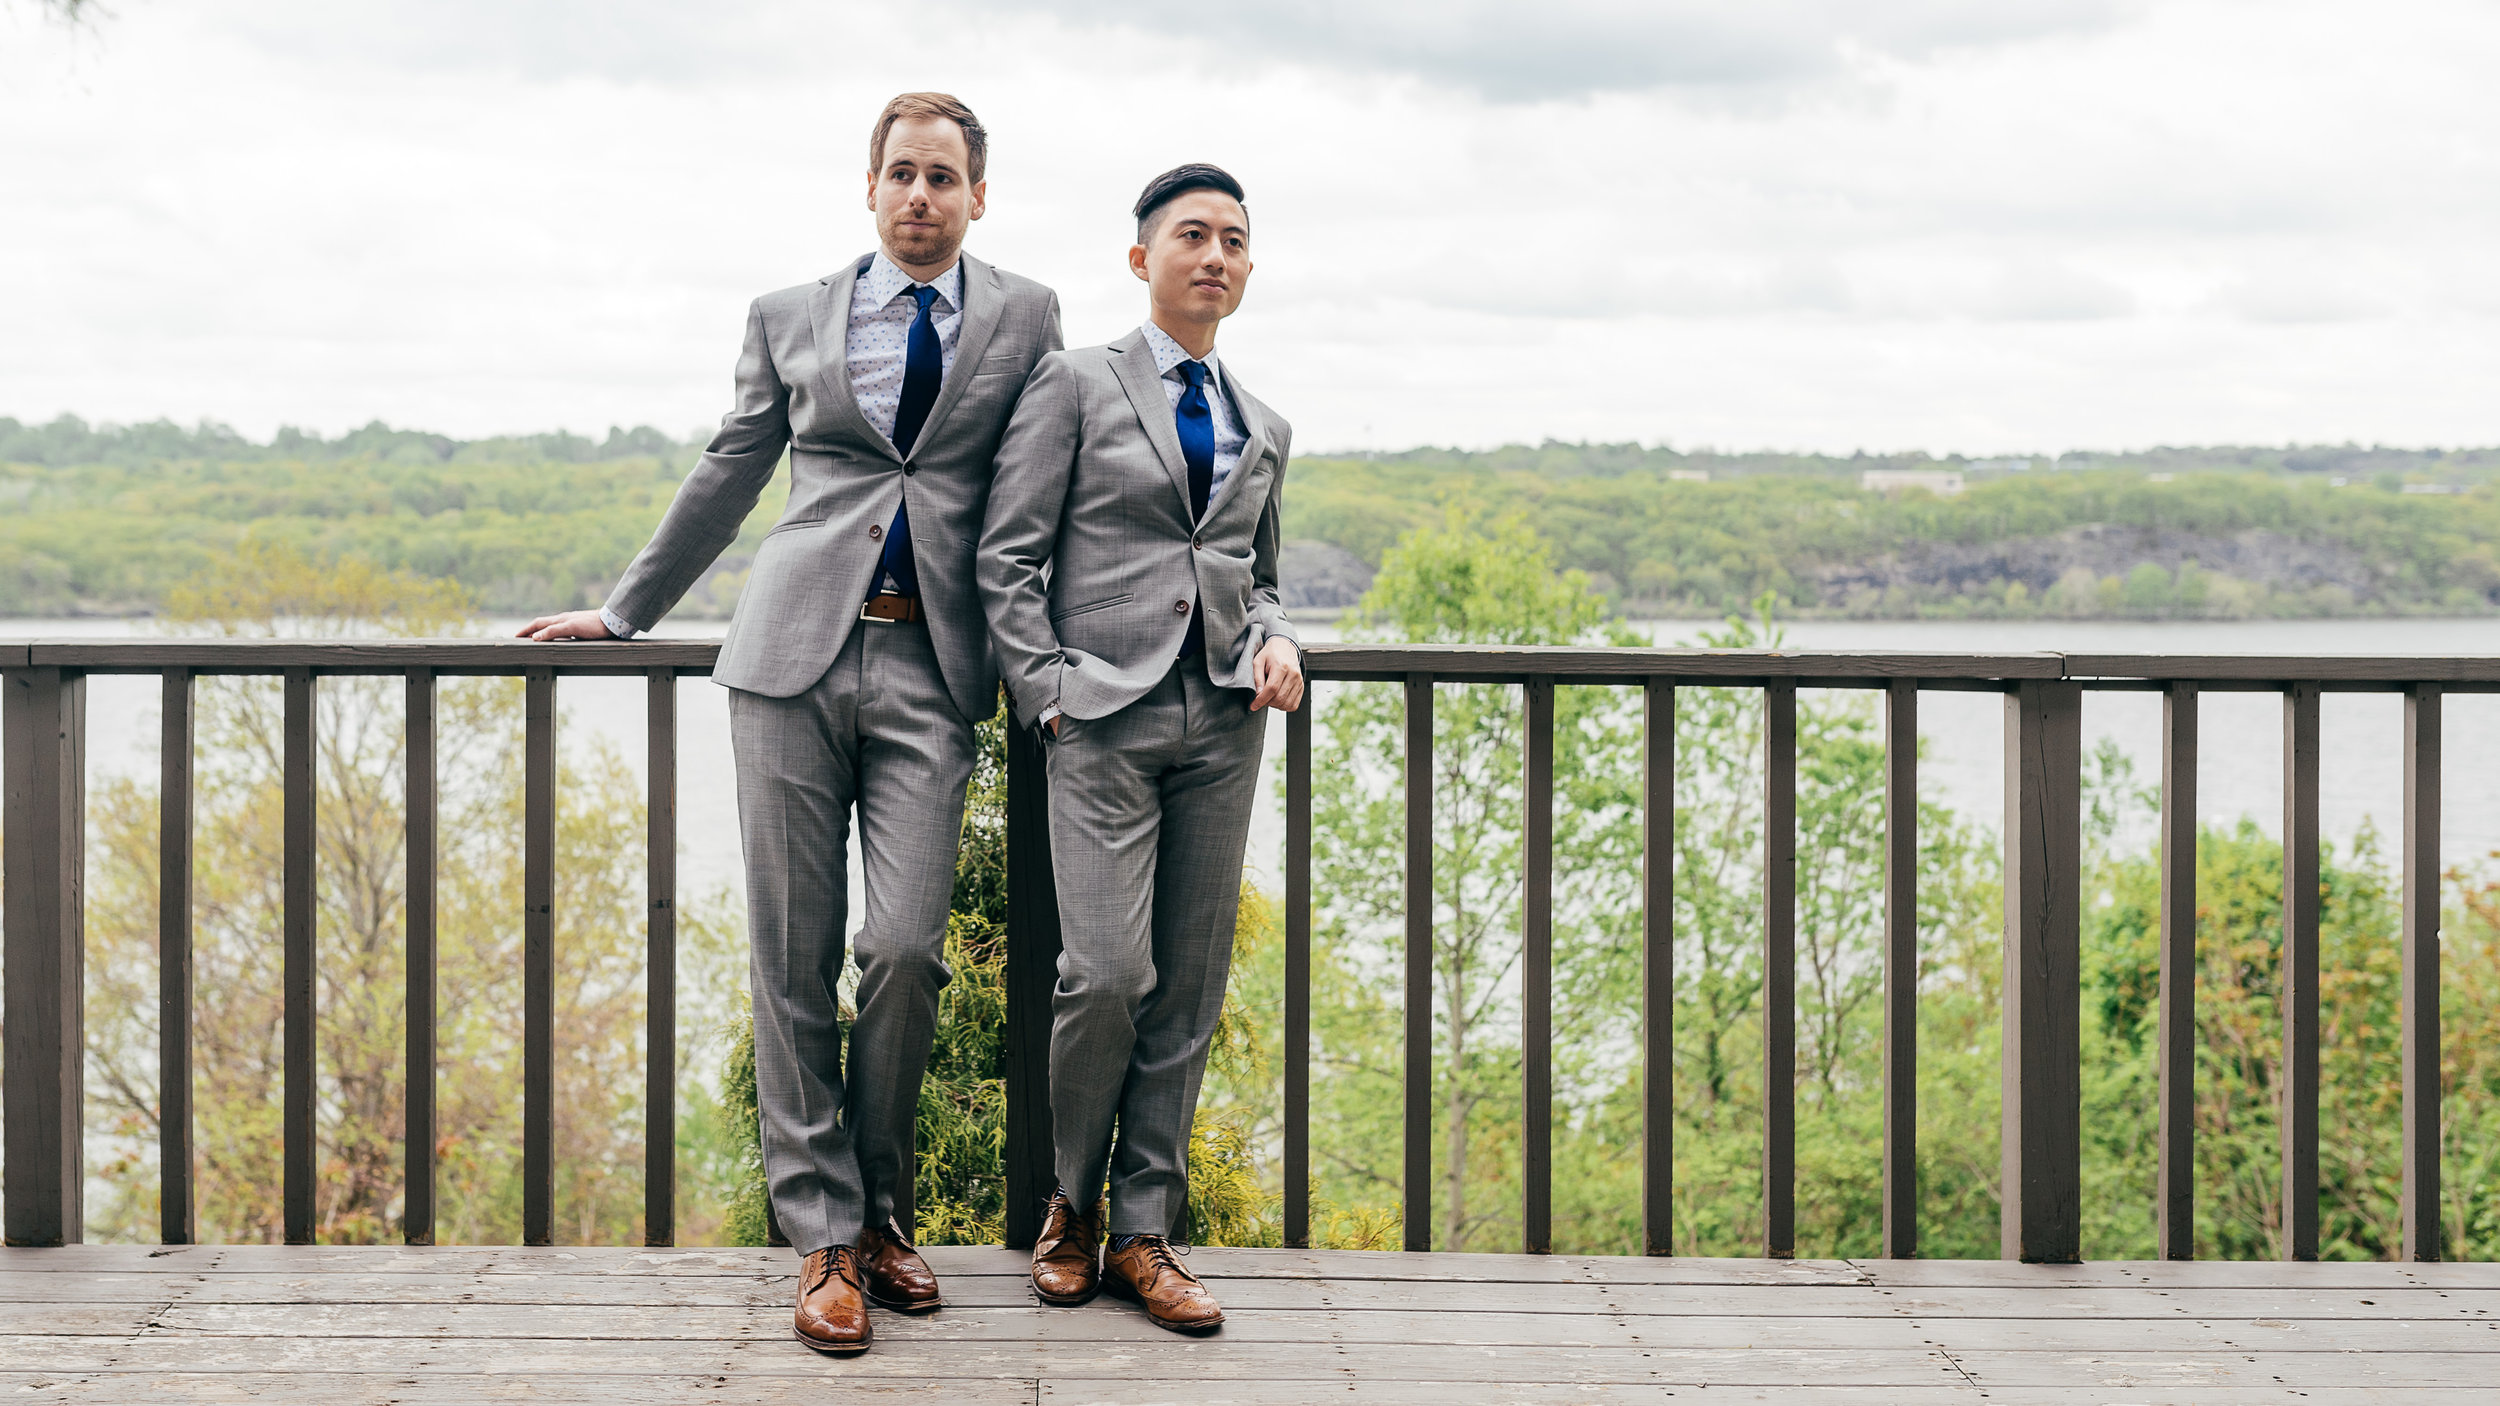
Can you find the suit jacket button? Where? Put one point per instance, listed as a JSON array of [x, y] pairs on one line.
[[1200, 543], [875, 532], [910, 469], [1180, 607]]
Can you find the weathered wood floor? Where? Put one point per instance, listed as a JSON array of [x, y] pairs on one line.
[[620, 1327]]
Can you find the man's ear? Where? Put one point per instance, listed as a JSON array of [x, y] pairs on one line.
[[980, 198], [872, 192], [1137, 261]]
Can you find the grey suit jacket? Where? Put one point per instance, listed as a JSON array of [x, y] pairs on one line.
[[1089, 562], [803, 596]]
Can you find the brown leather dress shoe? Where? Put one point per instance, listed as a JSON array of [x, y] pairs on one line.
[[833, 1302], [1149, 1272], [898, 1278], [1067, 1265]]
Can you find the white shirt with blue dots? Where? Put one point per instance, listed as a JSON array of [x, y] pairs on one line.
[[880, 336], [1230, 438]]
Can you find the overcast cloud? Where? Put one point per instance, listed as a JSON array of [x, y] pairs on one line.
[[1954, 226]]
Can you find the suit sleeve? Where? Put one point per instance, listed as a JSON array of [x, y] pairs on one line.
[[1267, 606], [704, 517], [1051, 340], [1020, 535]]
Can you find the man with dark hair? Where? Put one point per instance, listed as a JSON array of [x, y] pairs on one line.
[[1128, 566], [857, 664]]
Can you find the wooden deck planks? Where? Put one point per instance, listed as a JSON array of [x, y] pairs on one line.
[[611, 1390], [690, 1292], [317, 1325]]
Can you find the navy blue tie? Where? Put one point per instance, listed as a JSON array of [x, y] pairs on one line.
[[1197, 428], [1196, 424], [923, 367]]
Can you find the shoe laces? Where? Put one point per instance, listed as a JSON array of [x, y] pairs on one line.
[[826, 1264], [1162, 1254]]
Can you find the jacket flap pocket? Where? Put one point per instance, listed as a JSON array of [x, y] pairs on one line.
[[1093, 605]]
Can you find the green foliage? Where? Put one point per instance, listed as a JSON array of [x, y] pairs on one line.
[[108, 519], [112, 521], [2239, 1207], [2106, 540], [1227, 1204], [747, 1219], [360, 973], [1358, 979], [961, 1186]]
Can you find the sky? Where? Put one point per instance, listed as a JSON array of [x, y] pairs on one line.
[[1963, 226]]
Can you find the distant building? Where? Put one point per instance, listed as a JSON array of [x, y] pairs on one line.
[[1944, 483], [2009, 466], [2433, 490], [1688, 475]]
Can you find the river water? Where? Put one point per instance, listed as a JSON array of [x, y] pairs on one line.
[[2360, 775]]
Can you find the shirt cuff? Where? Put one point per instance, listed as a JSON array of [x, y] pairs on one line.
[[1047, 714], [616, 625]]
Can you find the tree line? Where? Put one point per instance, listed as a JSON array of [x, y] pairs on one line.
[[110, 519]]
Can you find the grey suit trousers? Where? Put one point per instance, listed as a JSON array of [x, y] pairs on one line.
[[1149, 816], [880, 731]]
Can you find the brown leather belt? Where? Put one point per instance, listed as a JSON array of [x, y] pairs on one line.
[[892, 608]]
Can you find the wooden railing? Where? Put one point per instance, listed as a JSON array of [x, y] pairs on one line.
[[2042, 1063]]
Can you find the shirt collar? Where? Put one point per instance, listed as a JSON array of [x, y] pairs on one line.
[[1168, 353], [885, 279]]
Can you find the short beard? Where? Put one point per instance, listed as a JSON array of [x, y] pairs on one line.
[[917, 250]]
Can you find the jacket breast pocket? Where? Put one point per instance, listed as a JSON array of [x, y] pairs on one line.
[[1006, 364], [781, 527]]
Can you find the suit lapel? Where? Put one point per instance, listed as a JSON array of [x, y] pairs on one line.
[[1254, 427], [983, 302], [830, 312], [1134, 363]]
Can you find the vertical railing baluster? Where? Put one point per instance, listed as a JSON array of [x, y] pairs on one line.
[[1419, 962], [538, 961], [2043, 1053], [1536, 980], [1658, 967], [1901, 969], [2297, 1088], [417, 1158], [43, 726], [1298, 973], [2175, 1043], [659, 1137], [178, 1217], [2421, 974], [1779, 969], [1032, 972], [303, 926]]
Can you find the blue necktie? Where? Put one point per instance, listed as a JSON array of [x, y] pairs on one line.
[[1197, 427], [923, 365], [1196, 424]]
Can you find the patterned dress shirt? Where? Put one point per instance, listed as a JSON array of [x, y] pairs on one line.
[[878, 344], [1230, 438], [880, 336]]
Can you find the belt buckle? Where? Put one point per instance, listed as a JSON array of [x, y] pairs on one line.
[[864, 608]]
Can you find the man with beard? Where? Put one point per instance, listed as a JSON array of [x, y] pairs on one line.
[[858, 662], [1129, 568]]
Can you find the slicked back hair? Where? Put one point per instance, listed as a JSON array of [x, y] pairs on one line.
[[946, 105], [1180, 181]]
